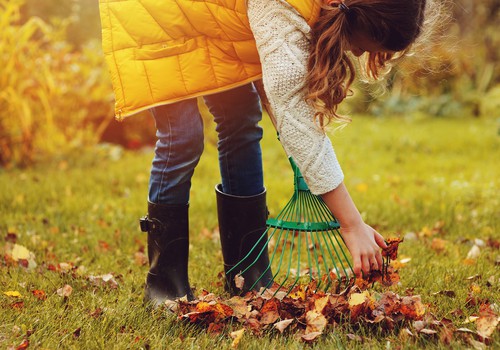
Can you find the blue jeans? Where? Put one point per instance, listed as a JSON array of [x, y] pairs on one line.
[[237, 113]]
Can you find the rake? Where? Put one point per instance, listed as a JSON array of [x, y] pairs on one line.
[[303, 241]]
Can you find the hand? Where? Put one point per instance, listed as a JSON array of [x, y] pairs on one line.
[[364, 244]]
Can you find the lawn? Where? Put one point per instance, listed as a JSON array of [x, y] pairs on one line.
[[434, 182]]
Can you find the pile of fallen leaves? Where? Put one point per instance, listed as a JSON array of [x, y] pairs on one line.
[[307, 313]]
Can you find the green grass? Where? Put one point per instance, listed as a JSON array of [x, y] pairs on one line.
[[405, 175]]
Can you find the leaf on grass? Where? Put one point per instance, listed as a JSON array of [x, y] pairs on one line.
[[473, 253], [77, 332], [236, 335], [20, 252], [65, 291], [13, 294], [282, 325], [315, 322], [473, 277], [22, 256], [438, 245], [448, 293], [39, 294], [106, 280], [24, 345], [487, 322], [310, 337], [412, 307], [140, 258], [354, 337]]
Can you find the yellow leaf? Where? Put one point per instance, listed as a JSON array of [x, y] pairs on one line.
[[358, 298], [300, 293], [320, 303], [20, 252], [236, 335], [13, 293]]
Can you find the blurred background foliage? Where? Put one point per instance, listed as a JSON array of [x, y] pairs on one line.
[[55, 94]]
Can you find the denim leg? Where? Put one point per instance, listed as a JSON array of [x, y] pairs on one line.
[[237, 113], [178, 150]]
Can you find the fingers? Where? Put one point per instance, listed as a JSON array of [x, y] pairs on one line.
[[357, 265], [379, 239], [365, 265], [380, 261]]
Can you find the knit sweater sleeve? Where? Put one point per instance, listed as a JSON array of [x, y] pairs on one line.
[[282, 41]]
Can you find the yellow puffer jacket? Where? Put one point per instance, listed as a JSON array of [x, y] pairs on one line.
[[164, 51]]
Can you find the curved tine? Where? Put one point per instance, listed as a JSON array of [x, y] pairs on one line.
[[292, 243], [339, 242], [254, 247], [325, 214], [283, 215], [298, 218], [317, 243], [309, 214], [271, 259]]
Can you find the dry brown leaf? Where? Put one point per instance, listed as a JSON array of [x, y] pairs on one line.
[[427, 331], [448, 293], [65, 291], [310, 337], [487, 322], [282, 325], [438, 245], [315, 322], [269, 312], [473, 253], [239, 306], [239, 281]]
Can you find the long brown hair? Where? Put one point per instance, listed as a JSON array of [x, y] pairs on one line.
[[393, 24]]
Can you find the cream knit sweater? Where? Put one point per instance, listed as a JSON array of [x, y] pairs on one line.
[[282, 41]]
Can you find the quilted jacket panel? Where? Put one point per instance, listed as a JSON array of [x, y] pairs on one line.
[[164, 51]]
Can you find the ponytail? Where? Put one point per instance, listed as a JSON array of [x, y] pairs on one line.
[[394, 24]]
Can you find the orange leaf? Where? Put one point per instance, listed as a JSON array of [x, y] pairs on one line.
[[39, 294], [269, 312], [391, 251], [438, 245]]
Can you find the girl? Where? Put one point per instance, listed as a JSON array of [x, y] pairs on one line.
[[164, 54]]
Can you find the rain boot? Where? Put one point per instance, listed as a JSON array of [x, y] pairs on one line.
[[242, 222], [168, 249]]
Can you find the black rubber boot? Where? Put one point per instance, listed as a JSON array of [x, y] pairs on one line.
[[242, 222], [168, 249]]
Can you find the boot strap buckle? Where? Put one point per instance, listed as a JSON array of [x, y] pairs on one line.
[[150, 226]]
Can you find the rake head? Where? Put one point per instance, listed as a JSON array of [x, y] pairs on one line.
[[304, 244]]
